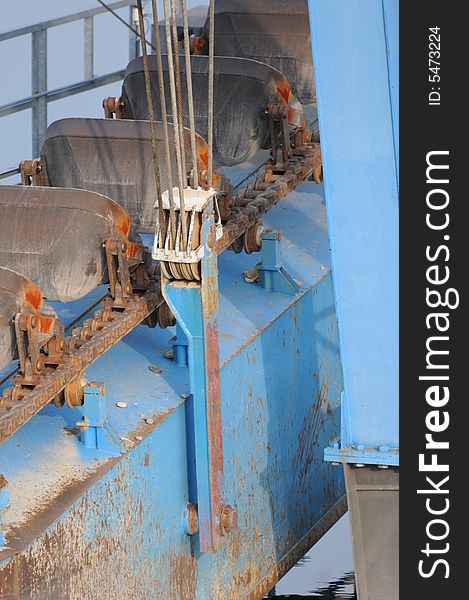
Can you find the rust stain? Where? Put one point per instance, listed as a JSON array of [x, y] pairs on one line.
[[19, 537], [202, 155], [122, 220], [33, 296], [134, 251], [45, 324], [307, 438], [284, 91], [227, 336], [182, 576]]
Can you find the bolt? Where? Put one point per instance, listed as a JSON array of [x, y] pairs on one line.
[[33, 322], [191, 519], [124, 247], [226, 519]]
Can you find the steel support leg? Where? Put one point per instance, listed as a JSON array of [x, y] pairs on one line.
[[373, 503], [359, 134]]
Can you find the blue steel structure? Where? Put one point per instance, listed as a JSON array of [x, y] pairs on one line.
[[355, 49], [96, 501], [84, 523], [356, 57]]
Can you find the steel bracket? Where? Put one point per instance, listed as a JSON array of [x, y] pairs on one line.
[[180, 347], [279, 134], [96, 432], [31, 172], [195, 306], [272, 274]]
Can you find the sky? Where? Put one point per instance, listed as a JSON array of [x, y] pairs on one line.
[[65, 66]]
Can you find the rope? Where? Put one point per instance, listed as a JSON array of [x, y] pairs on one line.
[[164, 118], [211, 42], [190, 96], [151, 116], [175, 122]]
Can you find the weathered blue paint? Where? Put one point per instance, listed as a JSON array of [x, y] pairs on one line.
[[196, 310], [355, 54], [82, 523]]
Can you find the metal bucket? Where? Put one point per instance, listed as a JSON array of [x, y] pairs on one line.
[[17, 294], [276, 33], [243, 89], [114, 158], [55, 237]]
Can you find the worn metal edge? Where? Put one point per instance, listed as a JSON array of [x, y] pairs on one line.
[[290, 559], [22, 536]]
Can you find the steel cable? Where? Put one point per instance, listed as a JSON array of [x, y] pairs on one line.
[[119, 18], [174, 111], [151, 116], [211, 54], [190, 96], [164, 118], [177, 77]]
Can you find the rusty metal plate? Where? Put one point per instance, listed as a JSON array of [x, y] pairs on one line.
[[55, 237], [114, 158], [276, 33], [243, 90]]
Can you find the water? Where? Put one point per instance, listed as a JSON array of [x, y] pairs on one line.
[[326, 571]]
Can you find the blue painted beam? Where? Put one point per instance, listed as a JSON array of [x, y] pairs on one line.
[[355, 52]]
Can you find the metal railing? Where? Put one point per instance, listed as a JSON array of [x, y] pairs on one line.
[[40, 95]]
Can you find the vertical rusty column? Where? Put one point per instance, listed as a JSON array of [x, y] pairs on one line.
[[196, 310], [209, 297]]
